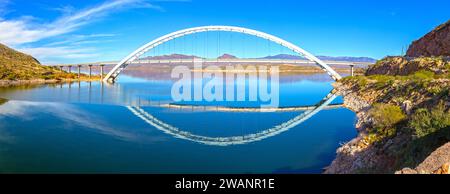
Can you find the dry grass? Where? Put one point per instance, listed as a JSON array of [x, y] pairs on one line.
[[16, 66]]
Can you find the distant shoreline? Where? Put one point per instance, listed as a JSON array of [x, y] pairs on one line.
[[296, 71], [283, 69], [12, 83]]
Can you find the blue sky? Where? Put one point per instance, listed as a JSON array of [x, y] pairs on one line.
[[66, 31]]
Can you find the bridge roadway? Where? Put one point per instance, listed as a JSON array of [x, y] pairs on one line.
[[229, 61], [218, 61]]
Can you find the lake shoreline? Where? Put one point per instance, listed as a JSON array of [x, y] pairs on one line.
[[13, 83]]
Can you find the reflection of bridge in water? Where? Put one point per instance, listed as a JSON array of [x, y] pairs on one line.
[[232, 140], [130, 99], [209, 108]]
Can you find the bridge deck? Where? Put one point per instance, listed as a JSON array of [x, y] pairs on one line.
[[229, 61]]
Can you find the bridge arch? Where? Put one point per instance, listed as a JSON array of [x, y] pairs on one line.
[[117, 69]]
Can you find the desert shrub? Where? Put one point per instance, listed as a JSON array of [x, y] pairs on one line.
[[435, 90], [378, 134], [386, 115], [11, 77], [382, 80], [423, 74], [360, 81], [3, 101], [424, 122]]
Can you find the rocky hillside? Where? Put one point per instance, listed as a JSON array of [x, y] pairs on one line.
[[407, 66], [15, 65], [401, 121], [435, 43], [403, 110]]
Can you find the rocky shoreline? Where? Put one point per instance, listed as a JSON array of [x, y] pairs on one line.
[[348, 156], [359, 156]]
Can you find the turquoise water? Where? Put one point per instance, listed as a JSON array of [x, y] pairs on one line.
[[89, 128]]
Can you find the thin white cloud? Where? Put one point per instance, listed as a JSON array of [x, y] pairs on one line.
[[81, 47], [21, 31], [26, 33], [67, 52]]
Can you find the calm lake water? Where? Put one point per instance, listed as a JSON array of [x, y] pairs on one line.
[[91, 128]]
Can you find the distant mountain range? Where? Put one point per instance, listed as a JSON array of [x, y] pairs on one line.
[[227, 56], [172, 56], [351, 59], [284, 56], [280, 56], [325, 58]]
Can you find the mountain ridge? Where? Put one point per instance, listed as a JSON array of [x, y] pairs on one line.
[[279, 56]]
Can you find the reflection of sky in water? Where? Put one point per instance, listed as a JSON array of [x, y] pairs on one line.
[[58, 136], [134, 90]]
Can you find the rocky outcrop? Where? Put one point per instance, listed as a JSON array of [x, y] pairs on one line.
[[437, 163], [406, 66], [415, 86], [361, 156], [435, 43]]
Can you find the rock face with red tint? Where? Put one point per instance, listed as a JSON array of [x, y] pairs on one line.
[[435, 43]]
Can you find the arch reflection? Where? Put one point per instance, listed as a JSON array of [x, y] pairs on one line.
[[231, 140]]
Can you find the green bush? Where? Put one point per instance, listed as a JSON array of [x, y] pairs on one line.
[[435, 90], [423, 74], [386, 115], [382, 80], [424, 122], [378, 134], [359, 80], [3, 101]]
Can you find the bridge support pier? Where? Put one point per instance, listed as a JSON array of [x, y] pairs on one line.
[[90, 71], [61, 68], [79, 71], [352, 72], [70, 68], [101, 71]]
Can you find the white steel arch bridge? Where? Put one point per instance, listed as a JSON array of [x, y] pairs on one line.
[[117, 69]]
